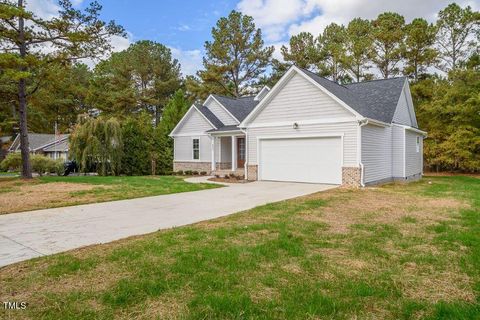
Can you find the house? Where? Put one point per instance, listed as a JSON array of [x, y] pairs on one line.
[[50, 145], [306, 129]]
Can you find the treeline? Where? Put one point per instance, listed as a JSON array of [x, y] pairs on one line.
[[138, 90]]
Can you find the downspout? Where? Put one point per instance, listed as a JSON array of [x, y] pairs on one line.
[[361, 123]]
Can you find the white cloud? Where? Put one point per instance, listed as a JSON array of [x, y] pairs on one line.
[[280, 19], [45, 9], [190, 60]]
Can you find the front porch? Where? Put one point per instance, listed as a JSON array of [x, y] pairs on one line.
[[228, 153]]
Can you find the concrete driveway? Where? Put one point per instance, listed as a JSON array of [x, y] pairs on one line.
[[26, 235]]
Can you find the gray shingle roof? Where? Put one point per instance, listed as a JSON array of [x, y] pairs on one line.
[[232, 127], [210, 116], [37, 140], [376, 99], [61, 146], [240, 107]]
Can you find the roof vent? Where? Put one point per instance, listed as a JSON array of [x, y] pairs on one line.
[[262, 93]]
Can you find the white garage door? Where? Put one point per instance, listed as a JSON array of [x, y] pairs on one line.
[[316, 160]]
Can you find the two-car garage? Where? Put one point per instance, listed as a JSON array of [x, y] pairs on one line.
[[301, 159]]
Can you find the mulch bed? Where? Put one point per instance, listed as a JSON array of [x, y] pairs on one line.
[[229, 180]]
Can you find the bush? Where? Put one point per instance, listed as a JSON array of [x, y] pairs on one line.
[[203, 173], [57, 166], [13, 161], [188, 172], [41, 164], [227, 176], [180, 172], [195, 173]]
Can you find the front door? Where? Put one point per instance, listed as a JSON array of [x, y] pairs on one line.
[[240, 152]]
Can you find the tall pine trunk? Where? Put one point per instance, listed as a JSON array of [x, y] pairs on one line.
[[22, 103]]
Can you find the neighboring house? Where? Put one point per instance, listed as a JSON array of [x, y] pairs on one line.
[[306, 129], [50, 145]]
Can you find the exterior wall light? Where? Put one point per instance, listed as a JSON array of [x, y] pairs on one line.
[[295, 125]]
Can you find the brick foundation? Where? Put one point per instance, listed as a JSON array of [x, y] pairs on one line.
[[351, 176], [252, 172], [193, 166], [223, 165]]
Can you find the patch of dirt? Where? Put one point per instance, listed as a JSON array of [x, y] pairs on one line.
[[378, 207], [34, 195], [447, 285]]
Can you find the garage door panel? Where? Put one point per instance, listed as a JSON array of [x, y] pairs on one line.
[[316, 160]]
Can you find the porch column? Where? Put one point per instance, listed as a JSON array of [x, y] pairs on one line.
[[214, 139], [234, 153]]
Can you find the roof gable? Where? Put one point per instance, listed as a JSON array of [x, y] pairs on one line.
[[197, 119], [220, 111]]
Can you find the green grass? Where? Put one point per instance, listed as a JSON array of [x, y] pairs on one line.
[[103, 189], [285, 260], [127, 187]]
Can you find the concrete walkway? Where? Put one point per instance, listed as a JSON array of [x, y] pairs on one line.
[[26, 235]]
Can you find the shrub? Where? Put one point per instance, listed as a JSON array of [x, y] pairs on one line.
[[13, 161], [232, 175], [203, 173], [188, 172], [57, 166], [195, 173], [41, 164], [227, 176], [169, 173], [217, 176], [180, 172]]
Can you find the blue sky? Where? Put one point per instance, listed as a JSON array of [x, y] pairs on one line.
[[185, 25], [182, 24]]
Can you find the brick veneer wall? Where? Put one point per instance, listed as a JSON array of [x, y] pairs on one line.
[[223, 165], [193, 166], [252, 172], [351, 176]]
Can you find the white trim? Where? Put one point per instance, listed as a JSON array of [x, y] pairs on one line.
[[259, 93], [212, 147], [193, 107], [424, 133], [176, 160], [306, 136], [245, 166], [234, 158], [13, 143], [199, 143], [226, 133], [377, 122], [279, 85], [193, 134], [301, 122], [223, 107]]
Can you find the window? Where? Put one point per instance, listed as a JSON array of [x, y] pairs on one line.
[[418, 144], [196, 149]]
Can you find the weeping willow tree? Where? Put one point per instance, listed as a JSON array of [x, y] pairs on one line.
[[96, 144]]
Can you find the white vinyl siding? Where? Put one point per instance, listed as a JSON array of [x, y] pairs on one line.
[[226, 149], [220, 112], [299, 99], [348, 129], [413, 159], [183, 148], [402, 113], [194, 123], [376, 152], [397, 151]]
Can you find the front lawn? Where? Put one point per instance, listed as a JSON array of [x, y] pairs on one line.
[[51, 191], [393, 252]]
